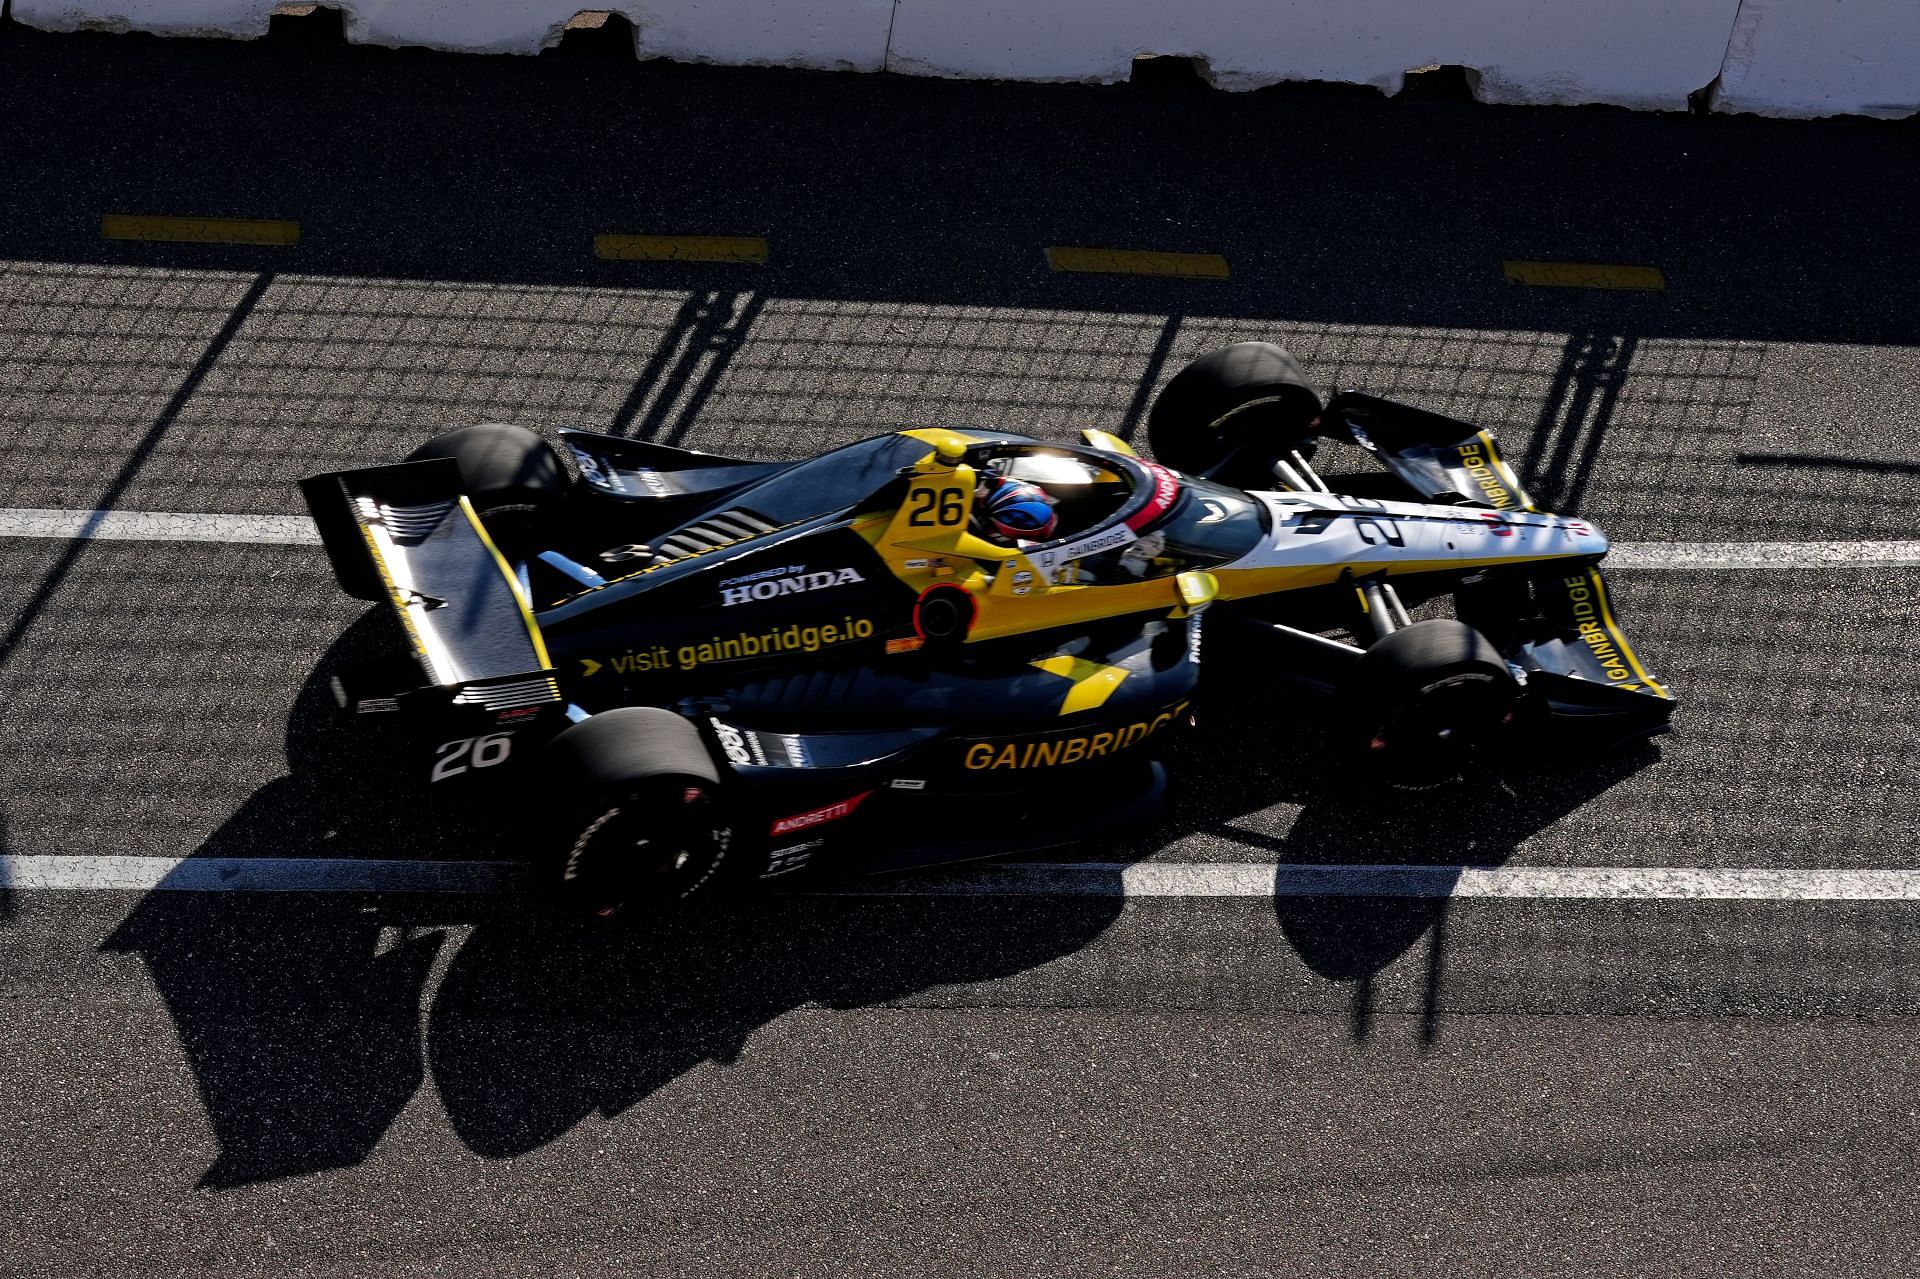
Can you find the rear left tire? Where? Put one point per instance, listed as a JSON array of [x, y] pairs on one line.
[[511, 475]]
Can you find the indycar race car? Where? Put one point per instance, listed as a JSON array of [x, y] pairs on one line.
[[710, 668]]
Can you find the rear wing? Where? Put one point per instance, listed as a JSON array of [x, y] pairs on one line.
[[406, 534]]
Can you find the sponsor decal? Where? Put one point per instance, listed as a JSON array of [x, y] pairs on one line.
[[744, 746], [1166, 491], [1049, 562], [589, 466], [793, 579], [905, 644], [908, 783], [1481, 471], [1215, 512], [517, 713], [650, 480], [818, 816], [791, 639], [1595, 633], [734, 743], [1193, 639], [1497, 525], [376, 705], [1056, 752], [1022, 578], [733, 648], [784, 861]]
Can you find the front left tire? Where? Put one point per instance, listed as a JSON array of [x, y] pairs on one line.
[[1231, 412]]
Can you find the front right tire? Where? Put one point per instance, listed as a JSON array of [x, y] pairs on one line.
[[1424, 704]]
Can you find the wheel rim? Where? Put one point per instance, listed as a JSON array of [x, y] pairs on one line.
[[653, 847], [1438, 733]]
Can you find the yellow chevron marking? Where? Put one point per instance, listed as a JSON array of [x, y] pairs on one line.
[[1093, 682]]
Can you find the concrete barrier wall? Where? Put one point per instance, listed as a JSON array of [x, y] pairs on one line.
[[1824, 57], [1777, 57], [1635, 53], [832, 35]]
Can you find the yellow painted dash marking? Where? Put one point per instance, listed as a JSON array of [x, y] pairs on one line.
[[1204, 266], [1583, 275], [680, 248], [123, 226]]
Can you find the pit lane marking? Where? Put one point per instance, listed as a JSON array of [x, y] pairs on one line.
[[298, 530], [1007, 879], [125, 226], [681, 248], [1584, 275], [1202, 266]]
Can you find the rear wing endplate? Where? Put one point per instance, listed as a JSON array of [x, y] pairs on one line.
[[406, 534]]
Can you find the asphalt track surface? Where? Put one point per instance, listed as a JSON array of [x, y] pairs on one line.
[[1096, 1084]]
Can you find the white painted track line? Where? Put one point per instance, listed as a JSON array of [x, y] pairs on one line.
[[1764, 555], [171, 526], [1268, 879], [157, 526], [1004, 879], [257, 875]]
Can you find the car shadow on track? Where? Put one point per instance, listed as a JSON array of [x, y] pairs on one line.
[[1263, 749], [312, 1020]]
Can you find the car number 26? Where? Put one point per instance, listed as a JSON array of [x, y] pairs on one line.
[[462, 753], [935, 508]]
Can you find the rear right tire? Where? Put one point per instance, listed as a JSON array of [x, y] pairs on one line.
[[637, 820]]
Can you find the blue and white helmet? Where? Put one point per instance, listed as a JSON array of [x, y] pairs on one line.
[[1018, 511]]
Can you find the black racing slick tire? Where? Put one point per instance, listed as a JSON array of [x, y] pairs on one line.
[[1232, 412], [637, 821], [1421, 706], [512, 476]]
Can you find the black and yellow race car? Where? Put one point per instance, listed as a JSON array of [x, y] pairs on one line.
[[711, 667]]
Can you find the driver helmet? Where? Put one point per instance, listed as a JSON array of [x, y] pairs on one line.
[[1016, 511]]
